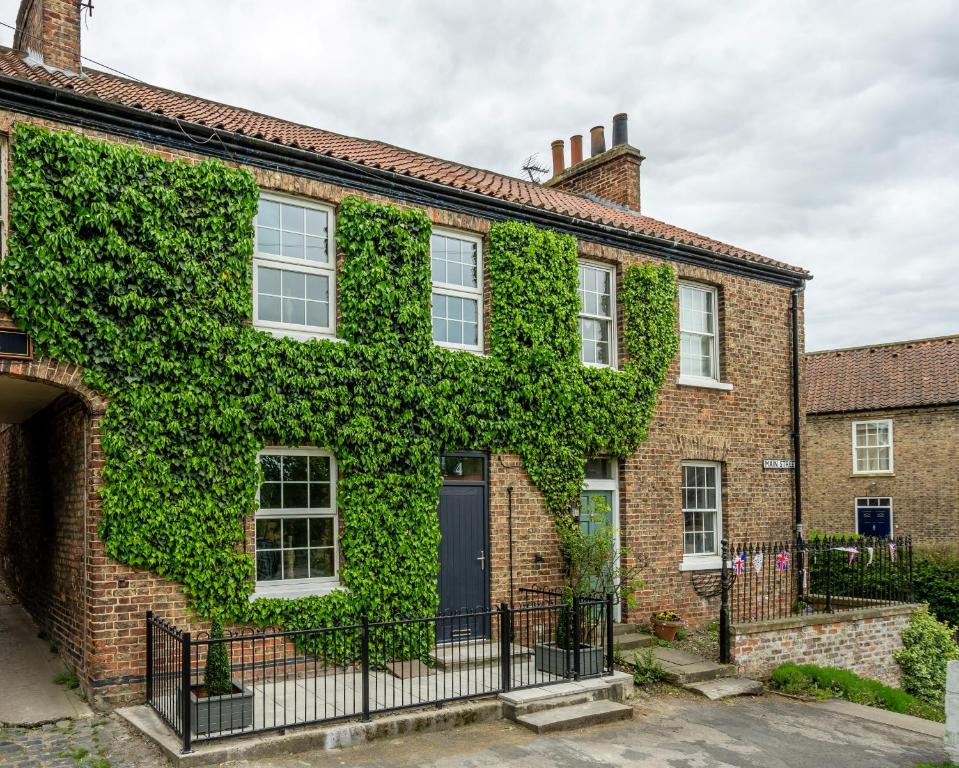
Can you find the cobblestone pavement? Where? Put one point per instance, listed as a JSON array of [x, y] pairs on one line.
[[94, 742]]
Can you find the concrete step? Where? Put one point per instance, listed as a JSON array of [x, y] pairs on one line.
[[632, 640], [682, 668], [476, 654], [726, 687], [576, 716], [529, 700], [625, 629]]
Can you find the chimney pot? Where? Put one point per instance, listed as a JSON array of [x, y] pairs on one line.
[[575, 149], [559, 160], [620, 135], [597, 140]]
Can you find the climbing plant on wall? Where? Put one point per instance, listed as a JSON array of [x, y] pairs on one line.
[[139, 270]]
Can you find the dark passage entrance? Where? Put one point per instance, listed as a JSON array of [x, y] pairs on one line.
[[464, 548]]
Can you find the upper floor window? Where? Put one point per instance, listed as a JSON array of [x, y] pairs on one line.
[[697, 325], [457, 299], [597, 310], [294, 267], [296, 523], [872, 446]]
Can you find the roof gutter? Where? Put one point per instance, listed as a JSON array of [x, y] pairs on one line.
[[66, 106]]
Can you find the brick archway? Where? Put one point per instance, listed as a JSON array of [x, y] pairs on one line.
[[66, 376]]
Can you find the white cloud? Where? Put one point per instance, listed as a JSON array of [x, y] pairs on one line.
[[824, 135]]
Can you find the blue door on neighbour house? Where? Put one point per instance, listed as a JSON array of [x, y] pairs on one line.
[[874, 516], [464, 545]]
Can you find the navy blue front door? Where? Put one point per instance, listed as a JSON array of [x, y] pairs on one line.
[[874, 519], [464, 546]]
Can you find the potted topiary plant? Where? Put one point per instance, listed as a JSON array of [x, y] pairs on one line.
[[666, 624], [593, 569], [220, 703]]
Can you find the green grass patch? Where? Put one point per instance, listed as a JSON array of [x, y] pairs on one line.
[[68, 680], [823, 682]]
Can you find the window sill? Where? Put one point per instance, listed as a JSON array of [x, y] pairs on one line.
[[294, 592], [696, 381], [289, 333], [701, 564], [873, 474]]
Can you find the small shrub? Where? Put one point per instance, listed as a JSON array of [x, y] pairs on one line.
[[790, 678], [68, 679], [216, 675], [681, 634], [646, 668], [935, 575], [927, 647]]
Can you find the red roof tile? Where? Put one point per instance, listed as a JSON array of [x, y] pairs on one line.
[[902, 375], [108, 87]]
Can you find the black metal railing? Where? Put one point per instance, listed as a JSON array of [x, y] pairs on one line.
[[773, 580], [283, 679]]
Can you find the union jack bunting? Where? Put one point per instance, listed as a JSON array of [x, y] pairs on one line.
[[892, 551], [740, 563], [782, 561]]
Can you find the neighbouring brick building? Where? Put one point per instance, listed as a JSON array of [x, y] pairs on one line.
[[882, 433], [727, 404]]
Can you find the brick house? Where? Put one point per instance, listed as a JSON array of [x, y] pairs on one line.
[[728, 403], [882, 426]]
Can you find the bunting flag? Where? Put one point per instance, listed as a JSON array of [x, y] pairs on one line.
[[740, 563], [851, 550], [758, 562], [782, 561], [805, 580], [892, 551], [871, 551]]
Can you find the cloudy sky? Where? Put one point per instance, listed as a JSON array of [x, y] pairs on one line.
[[821, 134]]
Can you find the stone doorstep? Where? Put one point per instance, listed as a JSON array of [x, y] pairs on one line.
[[631, 640], [475, 654], [309, 737], [617, 687], [576, 716], [682, 668]]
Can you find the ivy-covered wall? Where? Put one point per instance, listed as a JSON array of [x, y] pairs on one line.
[[140, 270]]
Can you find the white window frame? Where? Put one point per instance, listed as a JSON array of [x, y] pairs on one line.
[[855, 446], [306, 266], [709, 561], [610, 484], [715, 380], [293, 588], [892, 523], [613, 337], [459, 291]]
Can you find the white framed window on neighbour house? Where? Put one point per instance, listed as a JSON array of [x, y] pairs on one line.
[[294, 268], [297, 531], [702, 514], [597, 314], [872, 447], [698, 334], [456, 262]]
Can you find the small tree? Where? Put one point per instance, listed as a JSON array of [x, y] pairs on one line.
[[216, 675], [928, 646]]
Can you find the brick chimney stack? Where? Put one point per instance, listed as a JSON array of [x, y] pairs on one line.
[[50, 31], [612, 174]]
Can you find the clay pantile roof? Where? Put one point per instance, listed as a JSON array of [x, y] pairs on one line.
[[901, 375], [376, 154]]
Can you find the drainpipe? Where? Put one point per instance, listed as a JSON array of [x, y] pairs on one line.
[[799, 559], [797, 438], [509, 494]]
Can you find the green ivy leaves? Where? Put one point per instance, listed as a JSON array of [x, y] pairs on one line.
[[139, 270]]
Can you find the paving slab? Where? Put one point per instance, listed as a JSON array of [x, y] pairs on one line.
[[726, 687], [27, 671], [883, 717]]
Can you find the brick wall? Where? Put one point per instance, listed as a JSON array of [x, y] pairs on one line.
[[924, 486], [50, 28], [861, 641], [42, 490]]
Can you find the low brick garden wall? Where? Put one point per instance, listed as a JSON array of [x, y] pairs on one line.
[[861, 640]]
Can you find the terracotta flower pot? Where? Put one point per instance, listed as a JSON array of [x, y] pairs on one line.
[[665, 630]]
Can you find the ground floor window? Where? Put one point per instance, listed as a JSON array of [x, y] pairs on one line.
[[702, 509], [874, 516], [296, 523]]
